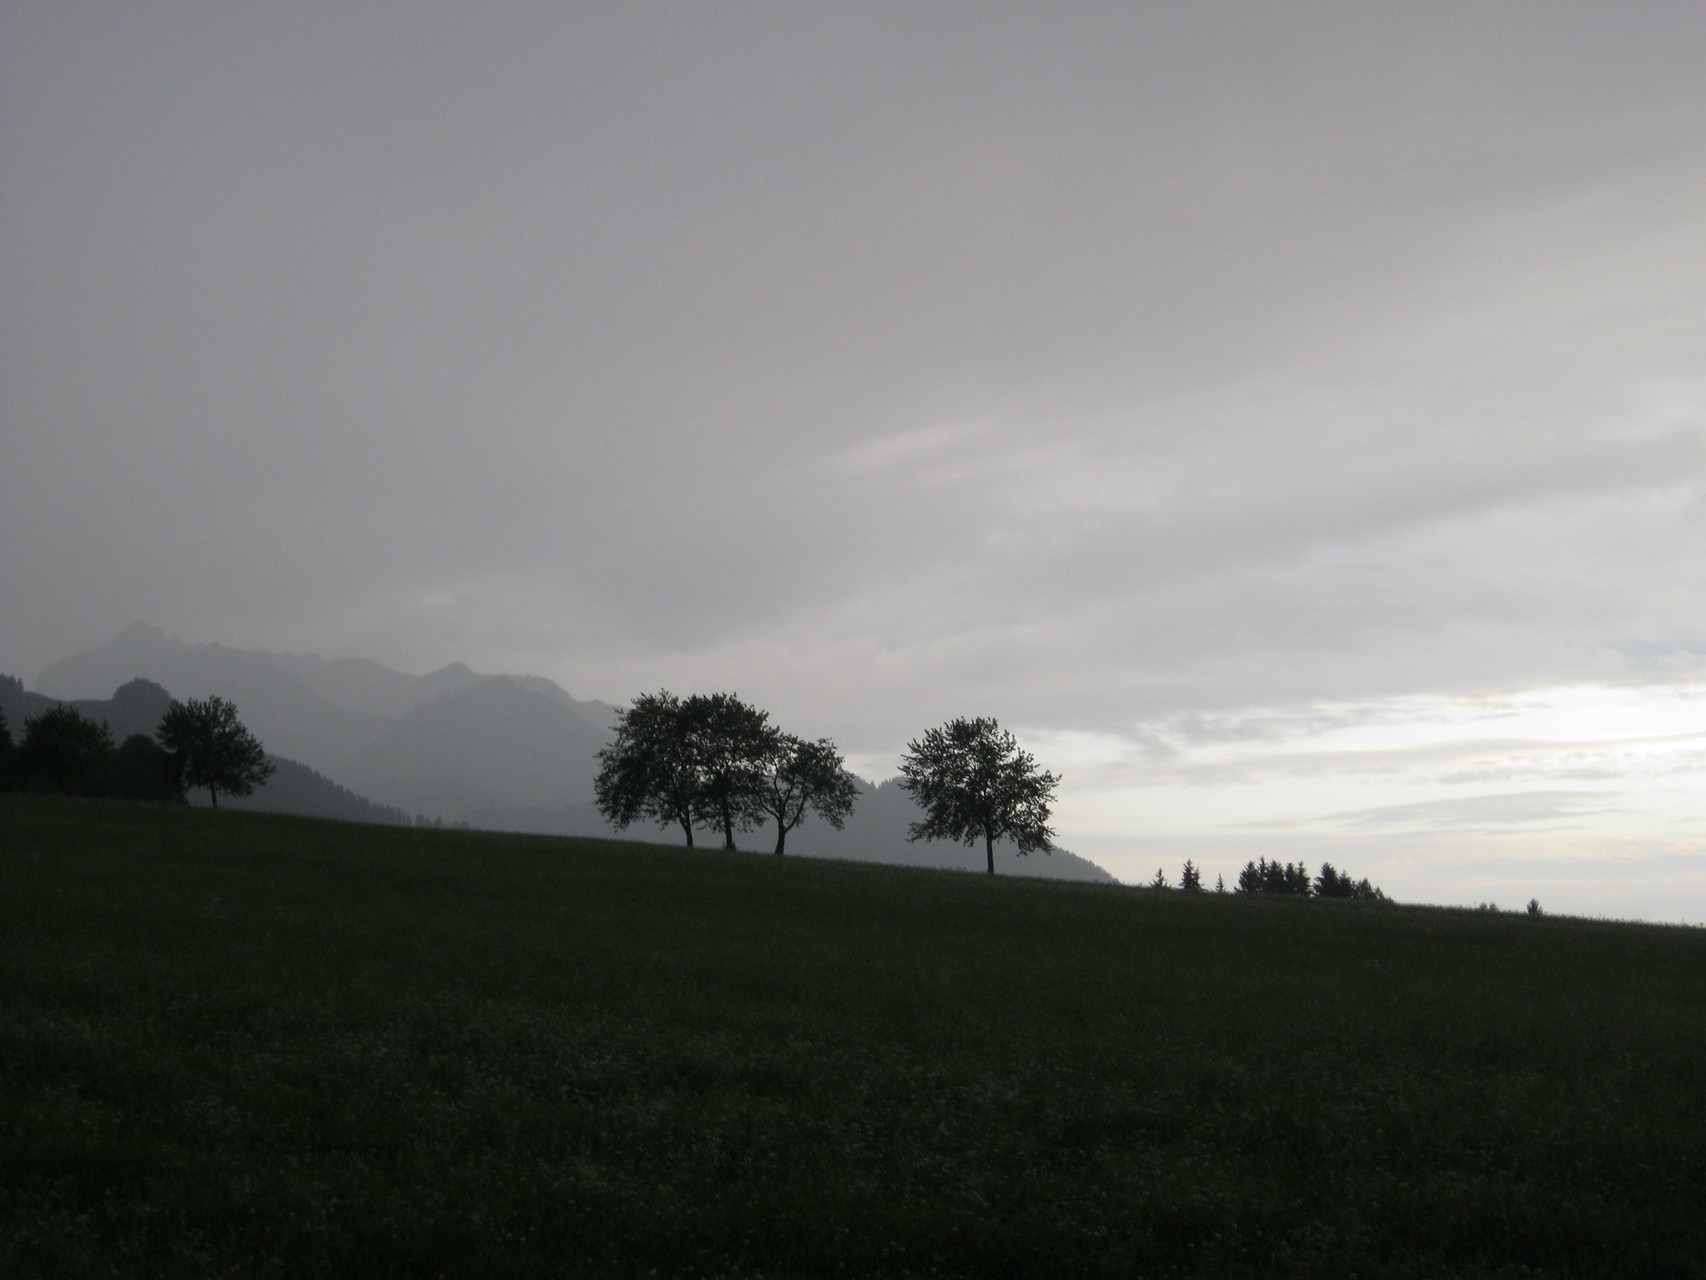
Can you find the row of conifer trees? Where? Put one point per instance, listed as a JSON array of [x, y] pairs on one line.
[[1262, 876]]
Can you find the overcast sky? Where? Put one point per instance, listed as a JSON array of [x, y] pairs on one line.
[[1291, 418]]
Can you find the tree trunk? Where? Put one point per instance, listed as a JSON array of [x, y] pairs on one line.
[[989, 850], [687, 826], [213, 795], [781, 837]]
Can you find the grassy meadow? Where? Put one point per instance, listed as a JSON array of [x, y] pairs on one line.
[[245, 1044]]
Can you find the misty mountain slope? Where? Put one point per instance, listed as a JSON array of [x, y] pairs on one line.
[[297, 789], [875, 833], [600, 715], [275, 703], [495, 745], [135, 707], [364, 685], [342, 715], [18, 704], [361, 684]]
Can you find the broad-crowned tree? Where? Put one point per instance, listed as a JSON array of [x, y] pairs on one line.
[[651, 769], [974, 783], [732, 742], [802, 777], [63, 750], [214, 749], [685, 762]]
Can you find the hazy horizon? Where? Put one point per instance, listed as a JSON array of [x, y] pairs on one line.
[[1289, 419]]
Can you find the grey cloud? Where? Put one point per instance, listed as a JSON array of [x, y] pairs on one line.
[[1082, 367], [1555, 810]]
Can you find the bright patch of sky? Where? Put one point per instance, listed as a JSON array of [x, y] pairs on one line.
[[1393, 789]]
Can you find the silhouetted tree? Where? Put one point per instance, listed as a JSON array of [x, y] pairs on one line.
[[699, 760], [973, 782], [1160, 881], [732, 742], [652, 768], [805, 776], [1534, 907], [1220, 884], [1333, 884], [213, 748], [65, 751], [1262, 876], [1190, 879]]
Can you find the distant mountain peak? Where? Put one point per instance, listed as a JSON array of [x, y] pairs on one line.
[[145, 635]]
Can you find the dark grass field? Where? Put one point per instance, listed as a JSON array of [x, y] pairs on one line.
[[241, 1044]]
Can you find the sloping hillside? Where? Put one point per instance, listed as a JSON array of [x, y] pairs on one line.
[[875, 833]]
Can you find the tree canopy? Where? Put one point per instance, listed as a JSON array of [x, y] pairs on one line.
[[712, 760], [975, 783], [64, 750], [732, 742], [805, 776], [649, 770], [213, 748]]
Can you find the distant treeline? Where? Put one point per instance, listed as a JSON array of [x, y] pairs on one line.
[[1262, 876]]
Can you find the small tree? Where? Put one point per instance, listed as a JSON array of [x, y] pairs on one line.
[[805, 776], [1334, 884], [213, 748], [1220, 884], [1534, 907], [974, 783], [1160, 881], [65, 751], [1190, 879]]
